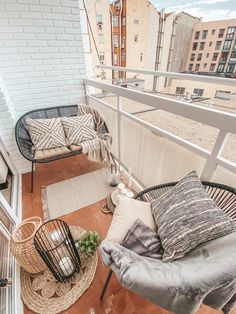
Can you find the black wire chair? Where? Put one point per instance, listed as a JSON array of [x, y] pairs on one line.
[[23, 139], [224, 196]]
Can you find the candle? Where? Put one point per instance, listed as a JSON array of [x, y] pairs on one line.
[[66, 266], [130, 194], [121, 186], [55, 236], [130, 178]]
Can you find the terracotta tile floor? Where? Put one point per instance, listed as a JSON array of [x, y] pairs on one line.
[[119, 299]]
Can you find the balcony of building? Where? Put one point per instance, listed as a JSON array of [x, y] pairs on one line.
[[158, 136]]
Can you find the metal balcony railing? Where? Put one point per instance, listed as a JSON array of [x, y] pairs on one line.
[[223, 121]]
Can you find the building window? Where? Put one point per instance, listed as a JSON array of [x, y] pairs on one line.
[[233, 54], [204, 34], [192, 57], [213, 32], [115, 21], [123, 42], [136, 21], [212, 67], [210, 43], [205, 65], [223, 94], [115, 41], [199, 57], [190, 67], [197, 67], [224, 56], [234, 47], [215, 56], [227, 45], [100, 38], [115, 59], [202, 45], [102, 57], [230, 33], [123, 20], [194, 46], [141, 57], [230, 68], [197, 34], [180, 90], [136, 38], [221, 33], [207, 55], [99, 18], [220, 68], [198, 91], [218, 44]]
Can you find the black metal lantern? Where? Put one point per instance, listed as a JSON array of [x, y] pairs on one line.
[[56, 246]]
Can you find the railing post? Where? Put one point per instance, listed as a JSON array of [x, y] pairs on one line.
[[119, 107], [211, 162]]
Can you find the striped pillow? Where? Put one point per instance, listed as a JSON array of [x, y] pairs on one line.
[[46, 133], [186, 216], [79, 129]]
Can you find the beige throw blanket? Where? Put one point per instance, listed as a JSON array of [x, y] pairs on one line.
[[98, 149]]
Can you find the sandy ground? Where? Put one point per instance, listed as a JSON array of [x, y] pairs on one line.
[[197, 133]]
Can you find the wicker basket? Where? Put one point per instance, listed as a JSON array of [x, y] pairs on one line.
[[22, 245]]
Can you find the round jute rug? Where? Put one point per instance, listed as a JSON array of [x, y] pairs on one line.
[[41, 293]]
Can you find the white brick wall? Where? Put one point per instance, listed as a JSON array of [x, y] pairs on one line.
[[42, 60]]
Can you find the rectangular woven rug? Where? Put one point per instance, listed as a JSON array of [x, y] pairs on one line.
[[70, 195]]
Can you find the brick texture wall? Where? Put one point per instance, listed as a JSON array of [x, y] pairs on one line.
[[42, 59]]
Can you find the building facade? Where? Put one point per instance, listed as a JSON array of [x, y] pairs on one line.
[[213, 48]]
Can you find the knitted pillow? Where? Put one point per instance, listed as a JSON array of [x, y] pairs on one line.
[[46, 133], [186, 216], [79, 129]]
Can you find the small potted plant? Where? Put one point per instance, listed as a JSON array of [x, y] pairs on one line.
[[89, 243]]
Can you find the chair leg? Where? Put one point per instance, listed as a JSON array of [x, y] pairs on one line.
[[32, 178], [105, 285]]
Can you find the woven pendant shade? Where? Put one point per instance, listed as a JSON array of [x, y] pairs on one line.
[[22, 245]]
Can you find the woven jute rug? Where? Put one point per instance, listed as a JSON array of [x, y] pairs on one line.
[[41, 293], [64, 197]]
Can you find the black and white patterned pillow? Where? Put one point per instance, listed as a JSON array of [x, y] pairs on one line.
[[79, 129], [46, 133], [186, 216]]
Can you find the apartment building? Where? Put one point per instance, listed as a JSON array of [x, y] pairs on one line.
[[98, 19], [213, 48], [142, 37]]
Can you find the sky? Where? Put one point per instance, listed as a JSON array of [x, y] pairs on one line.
[[209, 10]]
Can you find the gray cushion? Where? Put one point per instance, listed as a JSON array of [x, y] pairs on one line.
[[46, 133], [79, 129], [142, 240], [186, 216]]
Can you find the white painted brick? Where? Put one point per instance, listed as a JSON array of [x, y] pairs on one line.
[[46, 36], [72, 31], [60, 56], [10, 29], [28, 1], [43, 68], [28, 50], [70, 3], [48, 49], [35, 74], [39, 8], [53, 73], [74, 43], [65, 37], [62, 67], [8, 50], [52, 16], [3, 22], [51, 61], [63, 24], [41, 56], [20, 22], [15, 43], [23, 69], [42, 22], [56, 83], [8, 15], [34, 29], [50, 2], [32, 62], [37, 43], [57, 43], [67, 49], [16, 7], [55, 30], [71, 17], [23, 36], [63, 10], [30, 15], [5, 36]]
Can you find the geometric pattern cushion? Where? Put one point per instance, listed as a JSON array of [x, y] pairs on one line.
[[186, 216], [46, 133], [79, 129]]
